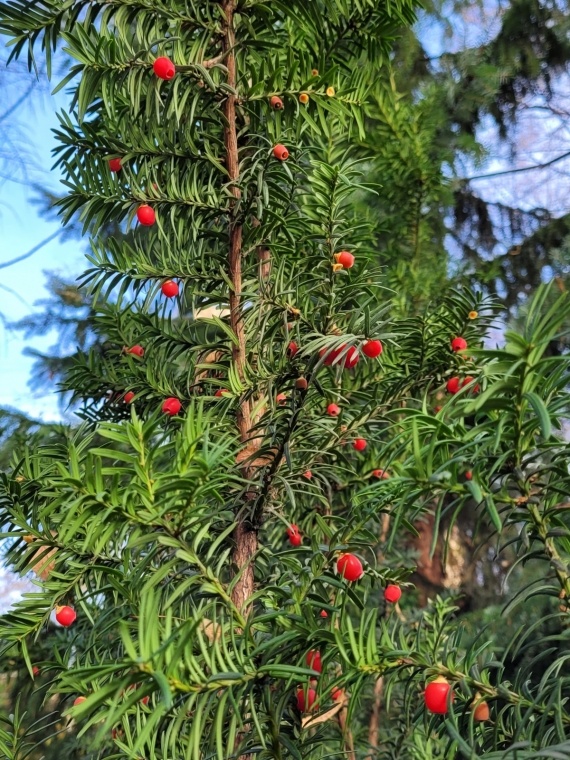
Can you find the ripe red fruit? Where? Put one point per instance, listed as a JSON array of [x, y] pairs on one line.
[[136, 350], [345, 258], [301, 384], [392, 593], [65, 616], [294, 535], [35, 671], [306, 702], [164, 68], [220, 392], [308, 474], [292, 349], [313, 660], [281, 399], [452, 385], [115, 164], [468, 475], [350, 567], [437, 696], [330, 355], [79, 700], [171, 406], [352, 358], [146, 215], [468, 380], [372, 348], [170, 288], [324, 614], [280, 152], [128, 397], [458, 344], [359, 444], [276, 103], [337, 694], [380, 474], [333, 410]]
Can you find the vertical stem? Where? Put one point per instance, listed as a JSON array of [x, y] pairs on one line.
[[245, 536], [374, 723]]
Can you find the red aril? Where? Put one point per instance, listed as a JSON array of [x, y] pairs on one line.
[[350, 567]]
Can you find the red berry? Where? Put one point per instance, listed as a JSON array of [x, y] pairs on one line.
[[276, 103], [136, 350], [308, 474], [380, 474], [146, 215], [469, 380], [115, 164], [468, 475], [164, 68], [170, 289], [301, 384], [294, 535], [79, 701], [313, 660], [437, 696], [392, 593], [329, 354], [452, 385], [171, 406], [292, 349], [280, 152], [35, 671], [372, 348], [281, 399], [333, 410], [337, 694], [128, 397], [65, 616], [324, 614], [350, 567], [305, 702], [458, 344], [219, 392], [345, 258], [352, 358], [359, 444]]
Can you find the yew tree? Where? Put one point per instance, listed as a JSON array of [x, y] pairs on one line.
[[220, 548]]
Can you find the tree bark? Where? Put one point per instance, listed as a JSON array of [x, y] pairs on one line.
[[245, 536]]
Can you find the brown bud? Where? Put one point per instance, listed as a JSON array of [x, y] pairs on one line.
[[301, 384], [480, 709]]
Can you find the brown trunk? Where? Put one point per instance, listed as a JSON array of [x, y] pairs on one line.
[[245, 537], [433, 575], [349, 752], [374, 724]]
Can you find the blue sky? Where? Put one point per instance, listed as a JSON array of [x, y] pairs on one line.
[[27, 161]]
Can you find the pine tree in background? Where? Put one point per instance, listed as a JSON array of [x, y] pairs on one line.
[[223, 542]]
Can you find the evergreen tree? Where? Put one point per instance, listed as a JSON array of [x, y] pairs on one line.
[[224, 549]]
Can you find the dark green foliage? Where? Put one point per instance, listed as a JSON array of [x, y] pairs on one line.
[[167, 535]]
